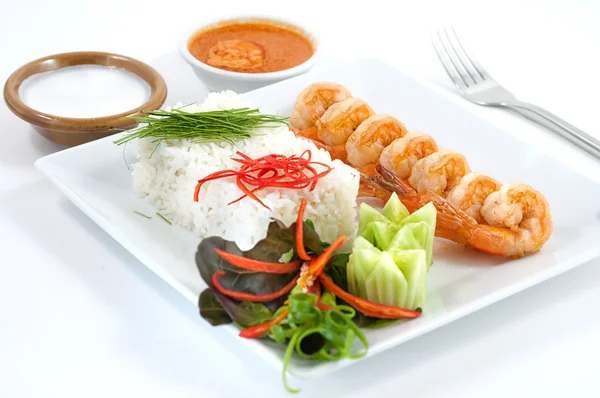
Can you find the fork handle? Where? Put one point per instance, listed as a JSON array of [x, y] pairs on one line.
[[547, 119]]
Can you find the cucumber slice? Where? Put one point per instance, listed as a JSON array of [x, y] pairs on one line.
[[428, 215], [387, 285], [361, 263], [392, 253], [394, 210], [414, 267], [383, 234], [417, 235], [405, 239], [366, 216]]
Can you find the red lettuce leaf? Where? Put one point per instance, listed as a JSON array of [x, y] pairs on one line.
[[279, 240]]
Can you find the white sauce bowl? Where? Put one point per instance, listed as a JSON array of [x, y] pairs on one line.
[[216, 79]]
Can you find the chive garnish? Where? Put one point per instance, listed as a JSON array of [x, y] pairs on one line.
[[228, 125], [142, 214], [163, 217]]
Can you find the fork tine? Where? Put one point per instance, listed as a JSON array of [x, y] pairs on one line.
[[457, 59], [447, 62], [467, 55]]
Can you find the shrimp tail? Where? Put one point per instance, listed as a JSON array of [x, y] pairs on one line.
[[310, 134], [369, 188], [395, 183], [452, 223]]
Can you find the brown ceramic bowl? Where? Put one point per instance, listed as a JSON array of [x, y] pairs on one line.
[[74, 131]]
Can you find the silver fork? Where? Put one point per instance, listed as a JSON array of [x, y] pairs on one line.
[[479, 87]]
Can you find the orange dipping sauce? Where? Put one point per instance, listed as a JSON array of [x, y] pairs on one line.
[[250, 48]]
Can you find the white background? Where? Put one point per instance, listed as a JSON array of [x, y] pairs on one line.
[[80, 317]]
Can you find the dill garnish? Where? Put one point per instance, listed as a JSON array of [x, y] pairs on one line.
[[228, 125]]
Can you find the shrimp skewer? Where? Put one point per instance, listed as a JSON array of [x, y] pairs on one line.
[[473, 209], [533, 231], [365, 144]]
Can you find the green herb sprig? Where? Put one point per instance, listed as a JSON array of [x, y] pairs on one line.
[[227, 125]]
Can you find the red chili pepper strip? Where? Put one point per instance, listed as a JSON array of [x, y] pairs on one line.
[[368, 308], [300, 233], [246, 157], [254, 332], [247, 192], [318, 264], [210, 177], [197, 191], [259, 266], [316, 290], [251, 297], [243, 196]]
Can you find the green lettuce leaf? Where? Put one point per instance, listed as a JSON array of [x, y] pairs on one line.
[[287, 257]]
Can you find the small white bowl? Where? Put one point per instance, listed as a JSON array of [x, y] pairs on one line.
[[216, 79]]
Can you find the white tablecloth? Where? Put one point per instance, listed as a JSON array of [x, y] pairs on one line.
[[80, 317]]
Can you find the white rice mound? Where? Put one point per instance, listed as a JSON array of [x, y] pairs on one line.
[[168, 179]]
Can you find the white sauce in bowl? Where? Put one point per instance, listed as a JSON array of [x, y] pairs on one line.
[[84, 91]]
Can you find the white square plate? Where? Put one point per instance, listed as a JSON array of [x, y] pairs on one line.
[[94, 176]]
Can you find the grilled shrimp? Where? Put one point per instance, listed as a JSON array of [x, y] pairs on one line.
[[527, 237], [314, 100], [341, 119], [403, 153], [522, 209], [370, 138], [470, 194], [439, 172]]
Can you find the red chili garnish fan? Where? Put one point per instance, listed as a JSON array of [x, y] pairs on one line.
[[271, 171]]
